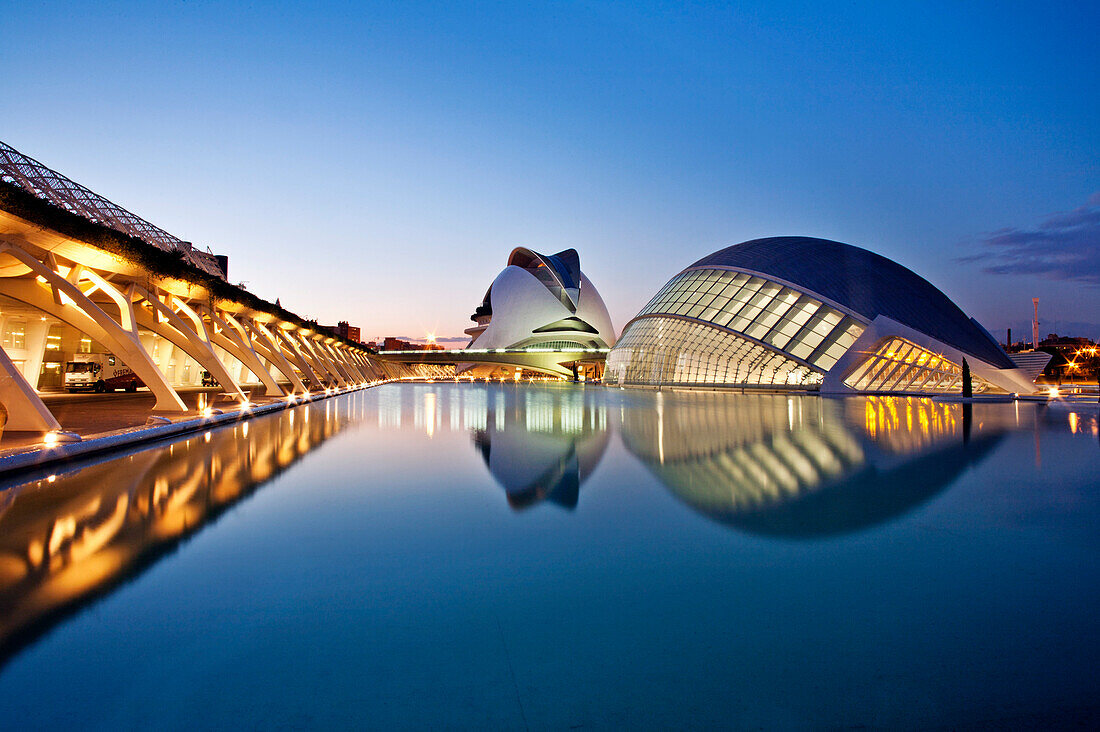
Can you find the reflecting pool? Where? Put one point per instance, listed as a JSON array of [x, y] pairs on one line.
[[565, 557]]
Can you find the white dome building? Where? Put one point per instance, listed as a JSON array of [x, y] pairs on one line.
[[543, 302], [796, 312]]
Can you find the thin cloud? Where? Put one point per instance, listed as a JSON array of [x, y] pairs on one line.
[[1065, 246]]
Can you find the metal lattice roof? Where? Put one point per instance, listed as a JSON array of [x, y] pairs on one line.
[[49, 185]]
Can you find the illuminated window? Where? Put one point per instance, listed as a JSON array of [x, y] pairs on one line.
[[898, 365], [53, 339], [85, 344], [660, 350], [15, 334], [775, 315]]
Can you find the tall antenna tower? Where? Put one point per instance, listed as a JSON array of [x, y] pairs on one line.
[[1035, 324]]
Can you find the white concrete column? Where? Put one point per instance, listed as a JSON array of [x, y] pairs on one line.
[[303, 363], [85, 315], [234, 338], [323, 363], [315, 342], [35, 335], [26, 411], [324, 347], [353, 362], [176, 330], [266, 341], [336, 354]]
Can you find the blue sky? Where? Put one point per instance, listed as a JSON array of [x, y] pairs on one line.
[[377, 162]]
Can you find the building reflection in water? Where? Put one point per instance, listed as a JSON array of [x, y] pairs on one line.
[[540, 444], [67, 538], [805, 466]]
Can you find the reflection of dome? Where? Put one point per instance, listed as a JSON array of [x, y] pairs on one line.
[[807, 313], [866, 498], [542, 444], [790, 465], [542, 301]]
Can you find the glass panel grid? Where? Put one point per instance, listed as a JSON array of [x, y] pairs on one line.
[[780, 316], [898, 365], [657, 350]]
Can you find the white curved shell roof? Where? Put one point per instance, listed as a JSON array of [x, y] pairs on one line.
[[528, 310]]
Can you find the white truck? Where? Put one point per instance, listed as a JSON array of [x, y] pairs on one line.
[[99, 372]]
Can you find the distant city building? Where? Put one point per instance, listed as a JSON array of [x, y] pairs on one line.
[[343, 330], [804, 313], [1071, 358], [1064, 344], [542, 301], [397, 344]]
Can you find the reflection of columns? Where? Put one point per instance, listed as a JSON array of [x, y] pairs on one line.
[[235, 339], [88, 317], [275, 354], [26, 412], [186, 339]]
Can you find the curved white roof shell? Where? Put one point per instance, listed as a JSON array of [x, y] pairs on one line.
[[542, 301]]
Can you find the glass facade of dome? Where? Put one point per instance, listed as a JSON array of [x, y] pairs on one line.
[[723, 326], [803, 313], [662, 350]]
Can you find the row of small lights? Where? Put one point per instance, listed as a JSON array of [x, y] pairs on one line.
[[53, 438]]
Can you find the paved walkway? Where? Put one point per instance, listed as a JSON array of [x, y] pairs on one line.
[[93, 414]]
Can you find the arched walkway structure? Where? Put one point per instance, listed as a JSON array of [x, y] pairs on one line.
[[81, 275]]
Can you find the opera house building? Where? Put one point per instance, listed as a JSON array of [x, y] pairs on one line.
[[808, 314], [542, 303]]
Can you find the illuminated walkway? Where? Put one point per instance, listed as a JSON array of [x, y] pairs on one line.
[[83, 279]]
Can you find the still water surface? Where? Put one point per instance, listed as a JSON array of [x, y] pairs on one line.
[[565, 557]]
